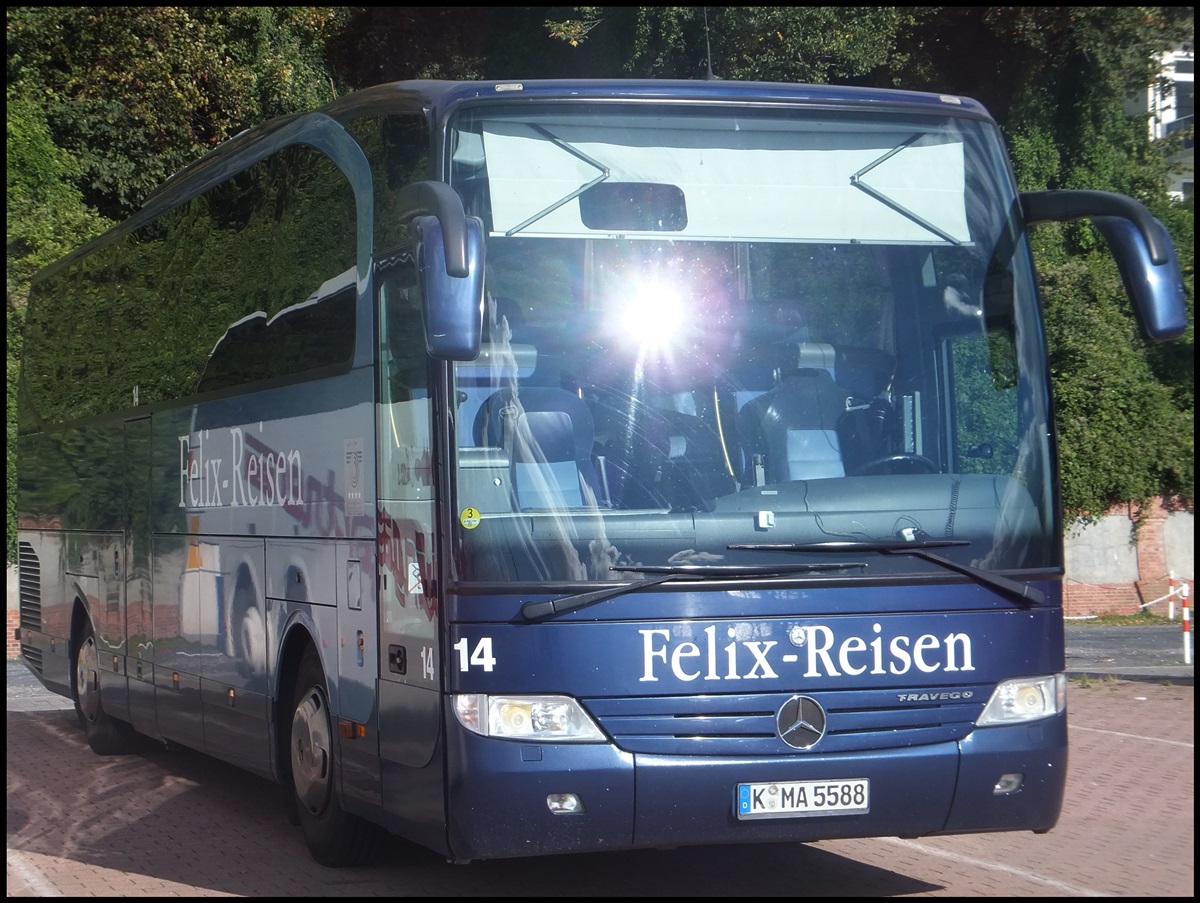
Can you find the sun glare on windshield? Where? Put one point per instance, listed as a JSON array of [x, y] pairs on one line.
[[653, 315]]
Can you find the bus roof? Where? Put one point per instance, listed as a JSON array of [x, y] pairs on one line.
[[438, 97]]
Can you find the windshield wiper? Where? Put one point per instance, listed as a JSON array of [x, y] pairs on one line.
[[1014, 589], [535, 611], [738, 570]]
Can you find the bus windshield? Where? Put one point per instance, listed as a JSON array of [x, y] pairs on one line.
[[710, 334]]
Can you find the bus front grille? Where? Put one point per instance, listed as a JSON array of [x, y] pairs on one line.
[[744, 725]]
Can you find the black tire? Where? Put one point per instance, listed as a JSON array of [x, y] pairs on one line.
[[335, 838], [107, 736]]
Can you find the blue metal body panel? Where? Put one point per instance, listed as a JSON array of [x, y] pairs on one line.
[[688, 699], [647, 801]]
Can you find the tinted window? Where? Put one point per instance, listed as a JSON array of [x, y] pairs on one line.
[[256, 274]]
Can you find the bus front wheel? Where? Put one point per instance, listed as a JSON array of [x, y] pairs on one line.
[[107, 736], [334, 837]]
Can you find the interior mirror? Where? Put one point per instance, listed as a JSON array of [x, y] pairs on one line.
[[633, 207]]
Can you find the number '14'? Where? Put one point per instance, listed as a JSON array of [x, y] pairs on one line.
[[480, 656], [427, 669]]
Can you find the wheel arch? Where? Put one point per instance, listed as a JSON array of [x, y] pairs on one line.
[[81, 621], [296, 638]]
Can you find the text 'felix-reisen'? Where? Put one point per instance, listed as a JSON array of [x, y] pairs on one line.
[[823, 654], [255, 476]]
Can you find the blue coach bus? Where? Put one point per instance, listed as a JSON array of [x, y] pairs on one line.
[[564, 466]]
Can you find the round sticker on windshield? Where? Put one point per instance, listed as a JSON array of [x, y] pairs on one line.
[[469, 518]]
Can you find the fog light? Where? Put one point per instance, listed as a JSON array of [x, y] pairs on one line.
[[564, 803], [1008, 783]]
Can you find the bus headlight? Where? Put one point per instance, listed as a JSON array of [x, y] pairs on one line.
[[550, 719], [1025, 699]]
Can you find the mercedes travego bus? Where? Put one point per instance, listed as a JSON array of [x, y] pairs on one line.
[[564, 466]]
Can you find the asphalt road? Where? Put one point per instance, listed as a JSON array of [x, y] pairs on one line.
[[1130, 653]]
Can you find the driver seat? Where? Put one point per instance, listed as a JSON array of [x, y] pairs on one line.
[[791, 432], [548, 434]]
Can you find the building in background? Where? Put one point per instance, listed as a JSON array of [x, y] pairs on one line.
[[1171, 105]]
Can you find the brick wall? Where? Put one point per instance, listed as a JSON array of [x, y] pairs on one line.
[[14, 648], [1081, 599]]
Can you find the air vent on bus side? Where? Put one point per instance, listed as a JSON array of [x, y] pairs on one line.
[[33, 657], [30, 586]]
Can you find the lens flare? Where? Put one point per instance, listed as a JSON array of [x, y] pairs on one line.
[[653, 316]]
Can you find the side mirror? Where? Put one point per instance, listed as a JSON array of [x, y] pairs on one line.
[[1157, 289], [1139, 243], [453, 305]]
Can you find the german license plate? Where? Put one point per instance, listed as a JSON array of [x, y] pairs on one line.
[[846, 796]]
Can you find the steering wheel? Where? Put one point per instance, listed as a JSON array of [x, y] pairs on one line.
[[905, 462]]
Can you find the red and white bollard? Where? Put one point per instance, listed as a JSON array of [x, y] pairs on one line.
[[1171, 596], [1187, 627]]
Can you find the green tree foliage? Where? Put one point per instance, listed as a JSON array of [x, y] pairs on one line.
[[1125, 407], [391, 43], [46, 214], [815, 44], [46, 219], [135, 93], [1121, 434]]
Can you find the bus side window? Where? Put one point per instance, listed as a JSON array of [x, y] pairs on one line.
[[405, 446], [986, 426], [312, 335], [405, 362], [239, 357]]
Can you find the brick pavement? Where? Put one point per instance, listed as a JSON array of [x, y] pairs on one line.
[[1128, 825], [167, 824]]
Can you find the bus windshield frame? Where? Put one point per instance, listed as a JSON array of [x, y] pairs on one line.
[[709, 327]]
